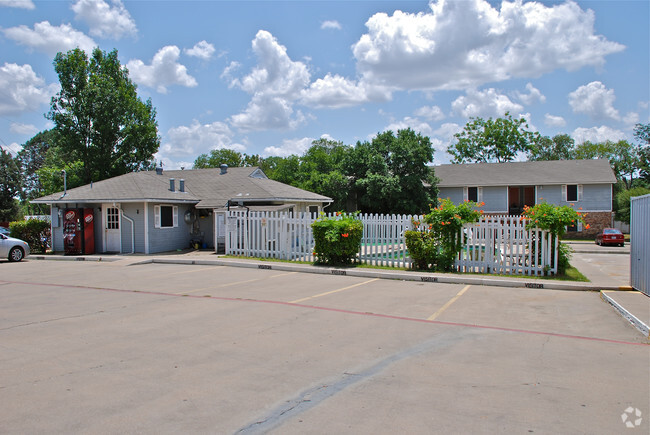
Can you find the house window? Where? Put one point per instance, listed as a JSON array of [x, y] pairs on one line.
[[473, 194], [572, 192], [165, 216], [313, 209]]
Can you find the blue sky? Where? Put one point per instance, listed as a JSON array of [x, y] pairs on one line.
[[268, 77]]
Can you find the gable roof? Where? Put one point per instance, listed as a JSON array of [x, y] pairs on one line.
[[207, 188], [526, 173]]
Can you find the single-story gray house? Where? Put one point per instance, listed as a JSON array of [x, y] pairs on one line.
[[505, 188], [156, 211]]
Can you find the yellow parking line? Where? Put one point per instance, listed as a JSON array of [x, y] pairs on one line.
[[448, 304], [333, 291]]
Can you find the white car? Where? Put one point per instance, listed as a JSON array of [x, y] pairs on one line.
[[13, 249]]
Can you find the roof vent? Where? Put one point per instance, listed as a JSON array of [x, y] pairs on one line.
[[181, 185], [159, 169], [224, 168], [172, 184]]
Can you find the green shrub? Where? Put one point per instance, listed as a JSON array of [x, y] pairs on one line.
[[33, 231], [337, 238], [438, 244], [555, 219]]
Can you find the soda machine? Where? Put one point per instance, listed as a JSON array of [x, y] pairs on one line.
[[79, 231]]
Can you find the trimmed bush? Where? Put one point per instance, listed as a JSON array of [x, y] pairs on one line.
[[33, 231], [338, 238]]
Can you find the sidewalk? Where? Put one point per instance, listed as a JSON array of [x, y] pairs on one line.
[[609, 274]]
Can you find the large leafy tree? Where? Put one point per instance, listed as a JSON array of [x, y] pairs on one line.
[[493, 140], [642, 134], [99, 117], [31, 158], [561, 147], [10, 186], [391, 173], [622, 156]]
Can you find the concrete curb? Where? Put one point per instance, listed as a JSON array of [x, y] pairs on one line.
[[357, 272], [396, 275], [638, 324]]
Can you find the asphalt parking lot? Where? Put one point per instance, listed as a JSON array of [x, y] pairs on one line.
[[108, 347]]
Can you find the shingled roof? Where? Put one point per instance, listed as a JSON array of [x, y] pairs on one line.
[[526, 173], [207, 188]]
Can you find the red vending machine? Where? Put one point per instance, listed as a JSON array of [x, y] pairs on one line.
[[79, 231], [72, 232], [89, 231]]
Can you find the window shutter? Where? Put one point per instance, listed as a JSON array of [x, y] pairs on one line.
[[579, 192], [465, 194], [479, 194], [156, 216], [175, 216], [564, 192]]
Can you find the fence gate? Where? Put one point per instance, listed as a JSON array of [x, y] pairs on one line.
[[640, 243]]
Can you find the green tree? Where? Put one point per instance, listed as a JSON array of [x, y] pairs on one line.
[[10, 186], [642, 134], [31, 158], [561, 147], [622, 202], [100, 118], [391, 173], [622, 155], [494, 140], [216, 158]]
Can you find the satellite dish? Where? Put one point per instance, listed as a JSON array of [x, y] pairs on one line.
[[189, 217]]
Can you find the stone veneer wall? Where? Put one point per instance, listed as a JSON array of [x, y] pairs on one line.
[[597, 221]]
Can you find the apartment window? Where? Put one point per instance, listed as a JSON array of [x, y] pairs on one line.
[[473, 194], [572, 192], [165, 216]]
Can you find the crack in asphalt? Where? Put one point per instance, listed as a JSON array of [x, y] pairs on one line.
[[314, 396], [52, 320]]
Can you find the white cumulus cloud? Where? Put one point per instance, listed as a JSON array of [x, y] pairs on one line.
[[104, 20], [330, 24], [433, 113], [203, 50], [533, 96], [191, 140], [335, 91], [289, 147], [554, 121], [21, 4], [21, 90], [50, 39], [275, 83], [597, 134], [24, 129], [461, 44], [163, 71], [486, 103], [595, 100]]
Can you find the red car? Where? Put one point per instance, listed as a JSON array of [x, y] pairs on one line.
[[610, 236]]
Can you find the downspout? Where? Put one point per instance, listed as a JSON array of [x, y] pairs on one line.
[[132, 231]]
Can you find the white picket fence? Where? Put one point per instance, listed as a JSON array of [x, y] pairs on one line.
[[499, 245]]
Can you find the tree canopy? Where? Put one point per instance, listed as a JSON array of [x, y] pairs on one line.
[[99, 118], [10, 186], [493, 140]]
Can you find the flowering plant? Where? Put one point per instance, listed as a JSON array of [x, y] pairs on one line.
[[337, 238], [437, 244]]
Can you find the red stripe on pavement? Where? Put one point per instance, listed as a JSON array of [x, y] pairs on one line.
[[339, 310]]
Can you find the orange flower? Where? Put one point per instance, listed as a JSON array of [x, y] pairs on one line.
[[481, 204], [587, 226], [345, 235], [442, 223]]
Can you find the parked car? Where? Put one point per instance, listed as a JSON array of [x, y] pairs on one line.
[[610, 236], [13, 249]]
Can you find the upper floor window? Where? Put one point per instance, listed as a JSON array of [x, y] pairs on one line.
[[473, 194], [572, 192]]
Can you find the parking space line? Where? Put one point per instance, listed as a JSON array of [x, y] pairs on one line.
[[333, 291], [448, 304]]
